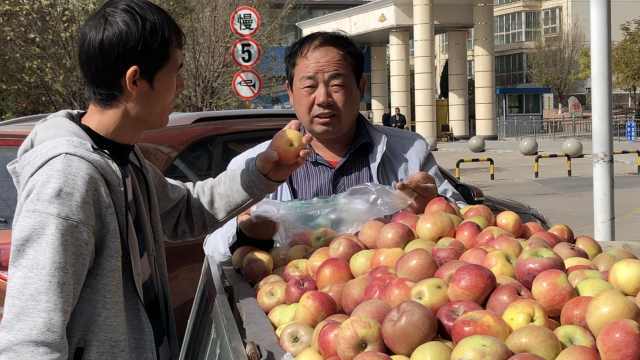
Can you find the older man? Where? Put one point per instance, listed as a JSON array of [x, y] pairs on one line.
[[325, 86]]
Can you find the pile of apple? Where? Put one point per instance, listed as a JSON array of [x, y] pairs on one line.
[[449, 284]]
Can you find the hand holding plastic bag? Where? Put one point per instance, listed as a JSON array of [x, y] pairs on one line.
[[344, 213]]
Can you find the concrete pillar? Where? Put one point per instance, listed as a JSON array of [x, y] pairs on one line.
[[458, 86], [399, 72], [379, 83], [485, 80], [424, 70]]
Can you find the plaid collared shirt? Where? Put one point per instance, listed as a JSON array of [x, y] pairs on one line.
[[318, 178]]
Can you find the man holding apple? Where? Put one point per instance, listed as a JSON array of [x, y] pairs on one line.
[[88, 271], [325, 86]]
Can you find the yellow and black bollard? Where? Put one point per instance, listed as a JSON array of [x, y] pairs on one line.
[[492, 167], [536, 162]]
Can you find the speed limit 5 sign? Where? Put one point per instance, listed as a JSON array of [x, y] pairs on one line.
[[246, 52]]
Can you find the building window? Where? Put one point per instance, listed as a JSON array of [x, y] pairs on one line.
[[470, 34], [517, 27], [470, 69], [532, 26], [552, 21], [511, 69], [444, 43], [502, 2]]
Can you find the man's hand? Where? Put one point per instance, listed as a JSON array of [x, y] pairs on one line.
[[269, 165], [421, 187]]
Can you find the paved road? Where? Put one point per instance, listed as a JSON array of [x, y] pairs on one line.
[[560, 198]]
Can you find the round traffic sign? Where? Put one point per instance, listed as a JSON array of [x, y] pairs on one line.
[[246, 52], [245, 21], [247, 84]]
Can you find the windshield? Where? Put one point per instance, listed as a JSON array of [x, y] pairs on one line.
[[8, 197]]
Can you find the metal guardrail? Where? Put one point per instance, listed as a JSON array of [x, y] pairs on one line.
[[492, 167], [518, 126]]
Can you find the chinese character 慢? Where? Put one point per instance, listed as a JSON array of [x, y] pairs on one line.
[[245, 21]]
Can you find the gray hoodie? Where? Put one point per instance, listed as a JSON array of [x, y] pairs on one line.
[[71, 294]]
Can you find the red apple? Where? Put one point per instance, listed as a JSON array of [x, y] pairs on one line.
[[353, 293], [534, 261], [298, 286], [269, 279], [567, 250], [376, 287], [313, 307], [373, 309], [271, 295], [525, 356], [551, 239], [574, 312], [504, 295], [479, 322], [447, 249], [335, 291], [508, 244], [406, 217], [287, 143], [467, 232], [530, 228], [239, 254], [552, 290], [358, 335], [446, 271], [372, 355], [299, 252], [344, 246], [316, 259], [407, 326], [416, 265], [451, 311], [441, 204], [481, 210], [328, 339], [397, 292], [296, 337], [386, 257], [510, 221], [474, 256], [471, 282], [394, 235], [256, 265], [368, 234], [296, 269], [619, 340], [333, 271], [434, 226], [563, 232], [488, 234], [578, 352], [589, 245], [321, 237]]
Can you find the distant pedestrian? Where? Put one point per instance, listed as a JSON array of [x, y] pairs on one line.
[[386, 118], [398, 120]]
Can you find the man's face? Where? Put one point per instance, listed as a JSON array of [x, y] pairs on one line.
[[157, 102], [397, 111], [324, 93]]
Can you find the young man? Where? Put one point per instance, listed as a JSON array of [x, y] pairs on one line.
[[325, 85], [398, 120], [88, 271]]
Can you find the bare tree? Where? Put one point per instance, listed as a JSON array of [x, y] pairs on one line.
[[556, 61], [38, 57], [626, 67]]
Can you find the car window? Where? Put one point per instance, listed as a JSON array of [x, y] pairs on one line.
[[8, 195], [209, 157]]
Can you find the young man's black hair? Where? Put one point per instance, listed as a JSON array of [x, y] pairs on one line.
[[336, 40], [124, 33]]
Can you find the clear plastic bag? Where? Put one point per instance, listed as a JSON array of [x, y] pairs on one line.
[[344, 213]]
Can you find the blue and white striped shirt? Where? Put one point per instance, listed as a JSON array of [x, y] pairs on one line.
[[318, 178]]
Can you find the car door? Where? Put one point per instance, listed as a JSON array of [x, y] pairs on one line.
[[205, 158]]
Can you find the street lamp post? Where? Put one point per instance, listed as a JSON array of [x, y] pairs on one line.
[[603, 209]]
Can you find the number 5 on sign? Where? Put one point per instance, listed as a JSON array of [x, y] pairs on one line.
[[246, 52]]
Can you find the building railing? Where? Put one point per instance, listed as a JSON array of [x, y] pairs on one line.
[[565, 126]]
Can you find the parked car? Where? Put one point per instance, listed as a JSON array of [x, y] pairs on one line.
[[193, 146]]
